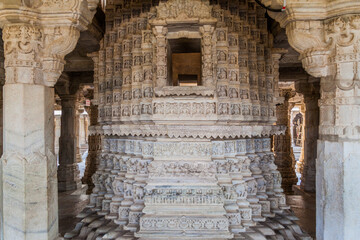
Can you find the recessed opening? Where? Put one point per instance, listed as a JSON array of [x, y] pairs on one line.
[[184, 62]]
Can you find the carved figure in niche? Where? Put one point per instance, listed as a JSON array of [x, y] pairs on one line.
[[221, 56], [233, 59], [108, 99], [117, 82], [102, 113], [223, 108], [136, 94], [222, 73], [148, 75], [263, 111], [137, 43], [221, 36], [116, 112], [146, 109], [158, 108], [126, 95], [256, 111], [148, 93], [210, 108], [147, 58], [126, 46], [261, 67], [245, 110], [233, 76], [232, 41], [233, 93], [136, 110], [161, 71], [127, 80], [108, 84], [137, 61], [262, 97], [235, 109], [253, 96], [269, 84], [108, 112], [271, 112], [147, 37], [127, 64], [242, 44], [137, 77], [126, 111], [222, 92]]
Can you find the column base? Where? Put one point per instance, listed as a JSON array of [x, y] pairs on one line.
[[68, 177]]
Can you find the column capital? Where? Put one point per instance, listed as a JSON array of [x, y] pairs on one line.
[[38, 34]]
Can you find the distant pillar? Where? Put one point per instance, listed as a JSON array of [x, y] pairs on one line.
[[311, 93], [284, 156], [68, 170], [93, 142]]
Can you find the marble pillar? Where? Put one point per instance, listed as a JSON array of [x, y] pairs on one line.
[[2, 81], [329, 49], [284, 156], [36, 40], [94, 143], [68, 170], [310, 90]]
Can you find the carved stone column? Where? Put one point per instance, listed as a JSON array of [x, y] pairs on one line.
[[330, 50], [68, 170], [284, 156], [93, 142], [310, 90], [36, 37]]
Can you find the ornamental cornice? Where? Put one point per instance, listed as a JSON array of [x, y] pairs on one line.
[[38, 34], [187, 131]]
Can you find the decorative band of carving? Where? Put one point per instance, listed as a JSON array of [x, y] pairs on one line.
[[176, 131]]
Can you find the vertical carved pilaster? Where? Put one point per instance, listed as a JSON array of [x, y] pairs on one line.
[[284, 157], [161, 55], [206, 44]]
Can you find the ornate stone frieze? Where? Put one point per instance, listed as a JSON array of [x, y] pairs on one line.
[[188, 131]]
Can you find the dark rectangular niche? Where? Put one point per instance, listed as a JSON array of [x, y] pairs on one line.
[[184, 62]]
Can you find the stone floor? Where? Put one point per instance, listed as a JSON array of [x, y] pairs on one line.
[[71, 203]]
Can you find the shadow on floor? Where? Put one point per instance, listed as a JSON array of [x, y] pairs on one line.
[[70, 205], [304, 207]]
